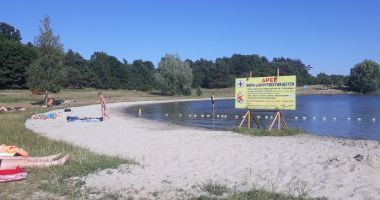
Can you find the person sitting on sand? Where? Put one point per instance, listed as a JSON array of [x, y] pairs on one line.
[[3, 109], [11, 162], [103, 105], [19, 108]]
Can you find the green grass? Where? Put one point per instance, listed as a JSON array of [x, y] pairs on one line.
[[257, 194], [13, 99], [266, 132], [55, 180], [215, 190]]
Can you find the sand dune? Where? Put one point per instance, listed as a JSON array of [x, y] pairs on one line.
[[175, 160]]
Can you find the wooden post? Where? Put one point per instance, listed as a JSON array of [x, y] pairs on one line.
[[249, 119], [279, 117], [255, 120], [248, 114], [283, 121], [278, 120], [242, 121], [274, 120]]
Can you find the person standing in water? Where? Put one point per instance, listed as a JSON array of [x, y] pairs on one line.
[[103, 106], [212, 101]]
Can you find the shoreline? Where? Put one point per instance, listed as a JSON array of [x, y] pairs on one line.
[[175, 160]]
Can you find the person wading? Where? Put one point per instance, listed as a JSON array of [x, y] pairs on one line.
[[213, 101]]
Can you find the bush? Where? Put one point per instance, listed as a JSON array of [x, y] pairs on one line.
[[365, 77], [174, 77], [199, 91]]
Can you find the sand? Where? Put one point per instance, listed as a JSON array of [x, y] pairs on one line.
[[175, 161]]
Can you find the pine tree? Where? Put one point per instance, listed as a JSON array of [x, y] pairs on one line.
[[47, 72]]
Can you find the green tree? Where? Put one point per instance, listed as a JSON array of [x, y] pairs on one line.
[[323, 79], [365, 77], [199, 91], [141, 75], [108, 69], [47, 72], [14, 58], [9, 32], [241, 65], [174, 76], [338, 80], [221, 76], [201, 71], [79, 74], [223, 71], [296, 67]]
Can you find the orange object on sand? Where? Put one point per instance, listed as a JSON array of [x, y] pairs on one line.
[[13, 151]]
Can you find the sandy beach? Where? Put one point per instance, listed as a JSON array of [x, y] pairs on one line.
[[174, 161]]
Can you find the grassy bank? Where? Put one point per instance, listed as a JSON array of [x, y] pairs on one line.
[[54, 180], [266, 132]]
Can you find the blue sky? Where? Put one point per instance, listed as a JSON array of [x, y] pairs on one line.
[[330, 35]]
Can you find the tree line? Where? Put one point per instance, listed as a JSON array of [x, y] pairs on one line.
[[43, 65]]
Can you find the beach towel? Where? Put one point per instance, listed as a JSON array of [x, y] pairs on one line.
[[51, 115], [84, 119], [47, 116], [12, 151], [7, 175]]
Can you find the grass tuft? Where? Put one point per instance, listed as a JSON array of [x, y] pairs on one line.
[[256, 194], [214, 188], [266, 132]]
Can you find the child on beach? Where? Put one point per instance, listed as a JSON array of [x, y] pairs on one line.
[[103, 106]]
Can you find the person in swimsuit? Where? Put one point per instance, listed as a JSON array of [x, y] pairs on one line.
[[102, 105], [11, 162], [212, 101]]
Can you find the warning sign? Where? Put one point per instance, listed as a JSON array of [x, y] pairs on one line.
[[266, 93]]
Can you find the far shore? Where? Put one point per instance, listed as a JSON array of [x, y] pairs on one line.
[[175, 160], [89, 95]]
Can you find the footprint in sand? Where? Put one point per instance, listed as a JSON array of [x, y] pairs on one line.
[[352, 167]]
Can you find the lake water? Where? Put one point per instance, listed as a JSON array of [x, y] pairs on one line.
[[333, 115]]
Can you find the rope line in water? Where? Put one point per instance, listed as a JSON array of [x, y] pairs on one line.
[[271, 117]]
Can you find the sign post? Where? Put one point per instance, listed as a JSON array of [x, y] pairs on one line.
[[269, 94]]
